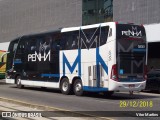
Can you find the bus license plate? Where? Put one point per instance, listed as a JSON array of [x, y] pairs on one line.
[[131, 85]]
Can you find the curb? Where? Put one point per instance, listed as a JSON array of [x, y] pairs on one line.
[[25, 104]]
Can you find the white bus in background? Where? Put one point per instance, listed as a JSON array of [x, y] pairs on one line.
[[153, 40], [104, 57], [4, 46], [3, 49], [153, 58]]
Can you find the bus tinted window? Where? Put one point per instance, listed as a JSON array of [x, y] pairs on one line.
[[85, 38], [55, 45], [13, 46], [70, 40], [12, 49], [32, 46], [21, 47], [104, 35], [89, 38]]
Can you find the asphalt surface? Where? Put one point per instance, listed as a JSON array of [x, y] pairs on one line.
[[90, 102], [18, 111]]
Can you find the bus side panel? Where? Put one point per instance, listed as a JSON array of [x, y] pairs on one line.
[[104, 67], [111, 60], [70, 64], [96, 68], [87, 71]]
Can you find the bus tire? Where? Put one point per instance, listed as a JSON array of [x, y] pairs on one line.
[[78, 88], [65, 86], [18, 82]]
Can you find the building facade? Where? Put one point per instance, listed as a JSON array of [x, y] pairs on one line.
[[137, 11], [21, 17]]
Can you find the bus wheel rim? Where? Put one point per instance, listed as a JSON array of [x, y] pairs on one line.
[[18, 81], [65, 86], [78, 87]]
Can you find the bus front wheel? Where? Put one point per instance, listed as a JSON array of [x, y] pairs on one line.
[[78, 88], [18, 82], [65, 86]]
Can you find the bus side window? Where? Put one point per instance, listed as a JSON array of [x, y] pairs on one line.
[[47, 40], [89, 38], [21, 47], [104, 35], [74, 39], [10, 56], [55, 46], [26, 46], [13, 46], [32, 46], [43, 43], [70, 40]]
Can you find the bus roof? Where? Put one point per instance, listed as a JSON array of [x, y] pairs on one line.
[[86, 27], [93, 26], [60, 30], [36, 34]]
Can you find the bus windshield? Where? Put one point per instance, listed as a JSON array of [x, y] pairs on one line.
[[10, 55], [131, 52]]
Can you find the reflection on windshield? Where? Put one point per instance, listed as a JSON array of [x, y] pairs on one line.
[[130, 57]]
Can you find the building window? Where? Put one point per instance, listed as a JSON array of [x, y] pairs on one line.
[[97, 11]]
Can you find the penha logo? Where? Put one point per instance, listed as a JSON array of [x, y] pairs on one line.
[[34, 57], [133, 33], [42, 54]]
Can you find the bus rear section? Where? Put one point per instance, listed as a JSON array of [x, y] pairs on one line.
[[129, 72]]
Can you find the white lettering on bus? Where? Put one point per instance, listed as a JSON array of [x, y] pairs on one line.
[[34, 57], [141, 46], [134, 32]]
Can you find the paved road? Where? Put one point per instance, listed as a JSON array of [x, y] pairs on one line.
[[89, 102], [17, 111]]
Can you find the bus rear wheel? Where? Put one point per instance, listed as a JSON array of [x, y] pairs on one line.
[[78, 88], [18, 82], [65, 86]]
